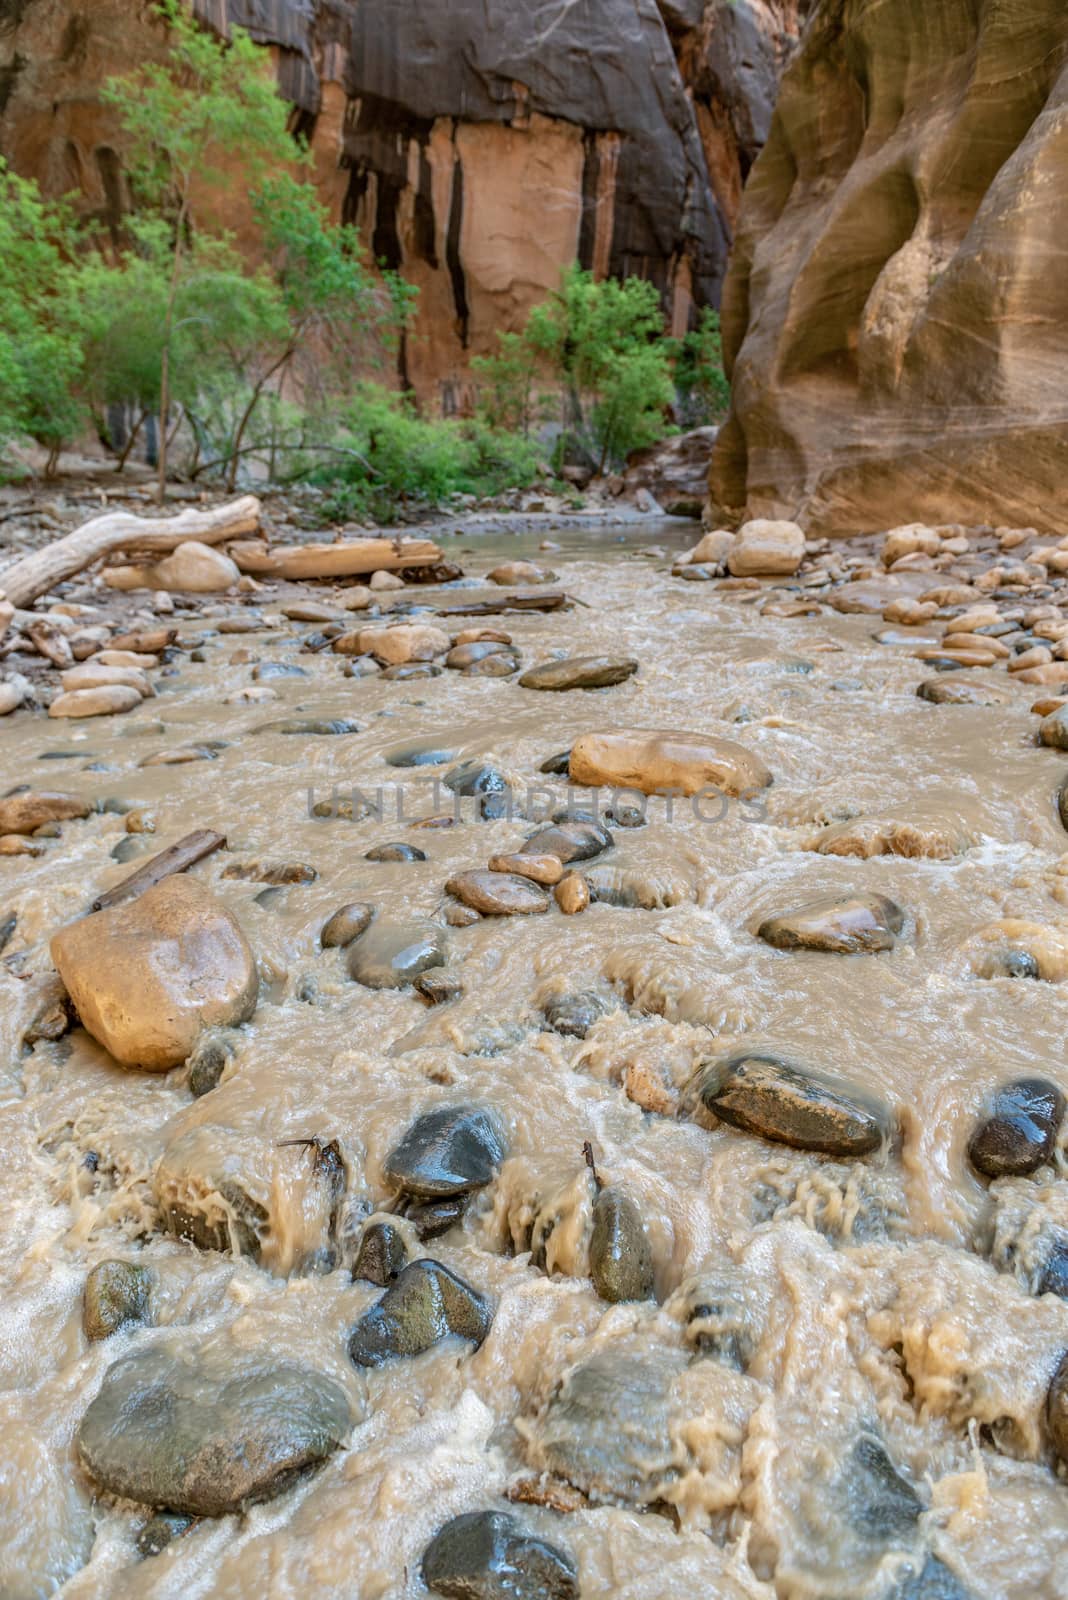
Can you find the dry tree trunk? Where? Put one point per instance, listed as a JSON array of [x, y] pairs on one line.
[[36, 574]]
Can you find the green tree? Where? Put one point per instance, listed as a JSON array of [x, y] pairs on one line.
[[40, 354], [207, 117], [602, 346], [703, 389]]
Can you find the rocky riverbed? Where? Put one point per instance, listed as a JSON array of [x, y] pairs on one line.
[[486, 1172]]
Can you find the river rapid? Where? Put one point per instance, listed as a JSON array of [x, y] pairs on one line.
[[839, 1389]]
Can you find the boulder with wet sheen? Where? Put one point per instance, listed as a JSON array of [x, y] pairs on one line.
[[390, 955], [447, 1151], [861, 924], [426, 1304], [1020, 1133], [208, 1431], [489, 1555], [774, 1099]]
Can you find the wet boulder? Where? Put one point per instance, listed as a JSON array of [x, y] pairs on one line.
[[346, 924], [448, 1151], [579, 672], [484, 782], [568, 841], [498, 894], [396, 850], [148, 976], [425, 1305], [574, 1015], [1057, 1410], [30, 809], [765, 549], [861, 924], [105, 700], [390, 955], [776, 1100], [656, 761], [1020, 1133], [205, 1431], [488, 1555]]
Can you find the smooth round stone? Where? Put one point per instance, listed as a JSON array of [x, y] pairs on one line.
[[862, 924], [621, 1262], [494, 666], [539, 869], [488, 1555], [205, 1431], [432, 1218], [106, 700], [1019, 1135], [1053, 730], [653, 762], [311, 727], [406, 671], [382, 1255], [127, 849], [116, 1295], [426, 1304], [1057, 1410], [449, 1150], [498, 894], [346, 924], [466, 655], [395, 852], [480, 779], [579, 672], [30, 809], [557, 766], [392, 954], [208, 1062], [568, 841], [419, 755], [775, 1100], [572, 894], [955, 691]]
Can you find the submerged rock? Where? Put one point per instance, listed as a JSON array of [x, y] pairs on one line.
[[160, 1531], [568, 841], [395, 852], [960, 691], [769, 1097], [392, 954], [1021, 1132], [862, 924], [208, 1063], [498, 894], [346, 924], [116, 1294], [574, 1015], [488, 1555], [450, 1150], [579, 672], [206, 1432], [653, 762], [478, 778], [426, 1304], [934, 1581], [149, 975], [621, 1262], [1057, 1410]]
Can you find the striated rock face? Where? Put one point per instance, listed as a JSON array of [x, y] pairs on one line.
[[481, 146], [896, 313]]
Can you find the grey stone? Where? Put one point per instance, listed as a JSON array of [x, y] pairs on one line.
[[426, 1304], [579, 672], [621, 1262], [1019, 1135], [448, 1151], [488, 1555], [204, 1431], [392, 954], [117, 1293], [772, 1098], [382, 1255]]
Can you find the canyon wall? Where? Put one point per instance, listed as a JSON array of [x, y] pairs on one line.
[[480, 145], [896, 313]]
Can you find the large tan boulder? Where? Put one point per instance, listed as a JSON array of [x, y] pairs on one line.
[[103, 700], [895, 315], [146, 977], [23, 813], [712, 549], [413, 641], [654, 762], [767, 550], [192, 568], [92, 676]]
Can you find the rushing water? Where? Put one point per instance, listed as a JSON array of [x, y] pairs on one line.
[[857, 1319]]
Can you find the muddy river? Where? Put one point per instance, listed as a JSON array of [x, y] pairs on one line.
[[835, 1384]]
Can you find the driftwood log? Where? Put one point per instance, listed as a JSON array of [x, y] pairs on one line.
[[176, 858], [354, 558], [36, 574]]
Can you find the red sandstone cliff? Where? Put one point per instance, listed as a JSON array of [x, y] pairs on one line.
[[480, 146]]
